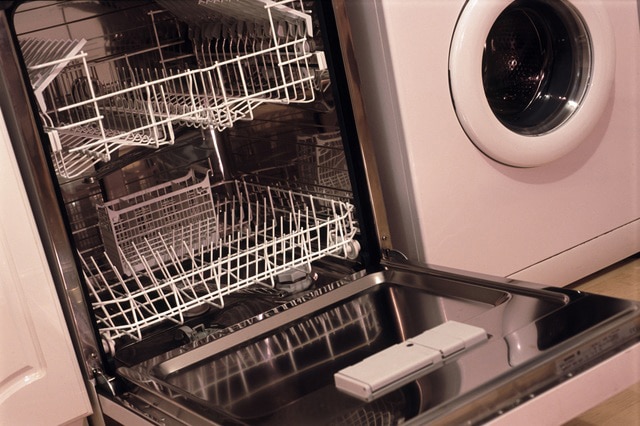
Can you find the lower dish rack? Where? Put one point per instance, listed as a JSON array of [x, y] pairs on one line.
[[248, 234]]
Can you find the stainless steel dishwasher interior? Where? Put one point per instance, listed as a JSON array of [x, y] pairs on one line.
[[280, 369]]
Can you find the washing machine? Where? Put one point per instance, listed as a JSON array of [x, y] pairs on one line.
[[507, 132]]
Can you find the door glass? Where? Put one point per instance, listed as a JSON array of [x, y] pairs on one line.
[[536, 65]]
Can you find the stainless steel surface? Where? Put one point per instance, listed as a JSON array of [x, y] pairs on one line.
[[435, 302], [263, 354], [279, 370], [369, 168]]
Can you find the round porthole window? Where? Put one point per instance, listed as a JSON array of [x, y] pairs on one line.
[[530, 78], [536, 65]]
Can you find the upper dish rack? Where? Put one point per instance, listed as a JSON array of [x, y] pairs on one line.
[[253, 236], [93, 108]]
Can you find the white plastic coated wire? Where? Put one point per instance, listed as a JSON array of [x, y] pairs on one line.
[[92, 114], [322, 160], [179, 212], [263, 232]]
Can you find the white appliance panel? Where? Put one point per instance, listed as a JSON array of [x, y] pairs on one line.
[[452, 205], [40, 380]]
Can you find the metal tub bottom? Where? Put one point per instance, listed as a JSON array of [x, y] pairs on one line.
[[280, 370]]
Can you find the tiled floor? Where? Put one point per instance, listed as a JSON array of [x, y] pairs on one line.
[[620, 280]]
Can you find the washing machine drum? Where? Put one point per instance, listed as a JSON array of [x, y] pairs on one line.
[[530, 79]]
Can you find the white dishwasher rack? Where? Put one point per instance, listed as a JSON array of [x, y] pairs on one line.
[[262, 232], [322, 160], [137, 227], [95, 108]]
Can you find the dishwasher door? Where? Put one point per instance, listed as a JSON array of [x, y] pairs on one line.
[[289, 366]]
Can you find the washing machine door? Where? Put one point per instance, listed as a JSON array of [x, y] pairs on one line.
[[530, 78]]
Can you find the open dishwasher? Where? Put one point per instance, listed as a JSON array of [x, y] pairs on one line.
[[203, 184]]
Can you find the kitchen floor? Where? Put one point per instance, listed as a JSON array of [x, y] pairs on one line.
[[619, 280]]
